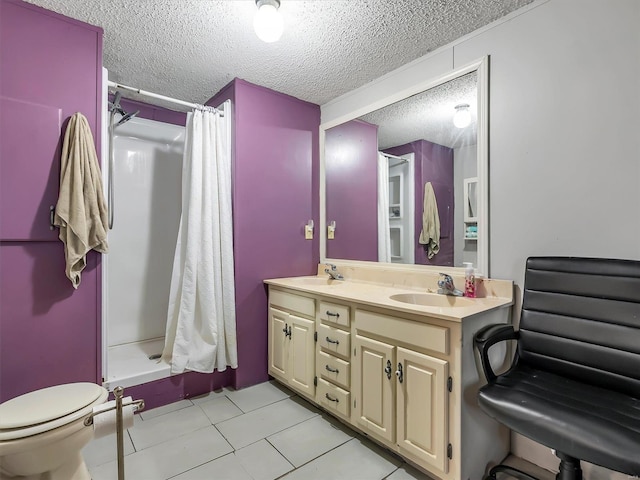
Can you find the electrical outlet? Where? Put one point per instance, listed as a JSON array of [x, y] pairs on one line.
[[308, 232]]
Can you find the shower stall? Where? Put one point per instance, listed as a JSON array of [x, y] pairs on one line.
[[145, 185]]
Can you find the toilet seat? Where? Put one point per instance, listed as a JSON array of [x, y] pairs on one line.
[[43, 410]]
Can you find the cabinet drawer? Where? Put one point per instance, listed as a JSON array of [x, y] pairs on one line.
[[421, 335], [334, 341], [333, 369], [335, 314], [293, 303], [333, 398]]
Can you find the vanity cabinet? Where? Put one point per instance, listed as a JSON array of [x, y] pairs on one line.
[[401, 395], [407, 379], [291, 340]]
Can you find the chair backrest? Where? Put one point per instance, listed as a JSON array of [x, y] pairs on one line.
[[581, 318]]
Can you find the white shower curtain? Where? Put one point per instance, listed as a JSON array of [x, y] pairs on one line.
[[384, 240], [201, 321]]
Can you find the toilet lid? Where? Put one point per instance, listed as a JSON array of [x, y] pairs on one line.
[[47, 404]]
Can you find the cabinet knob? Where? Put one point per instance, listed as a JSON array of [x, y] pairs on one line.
[[399, 372]]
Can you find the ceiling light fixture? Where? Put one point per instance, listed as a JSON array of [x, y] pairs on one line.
[[268, 22], [462, 117]]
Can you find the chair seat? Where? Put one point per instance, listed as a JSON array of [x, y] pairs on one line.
[[586, 422]]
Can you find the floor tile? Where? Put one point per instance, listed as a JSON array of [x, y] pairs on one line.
[[262, 461], [310, 439], [258, 424], [223, 468], [259, 395], [166, 427], [219, 409], [212, 395], [169, 458], [354, 460], [103, 450], [172, 407]]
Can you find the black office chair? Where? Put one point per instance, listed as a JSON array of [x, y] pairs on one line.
[[574, 384]]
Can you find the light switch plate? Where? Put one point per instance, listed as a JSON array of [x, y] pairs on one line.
[[308, 232], [331, 233]]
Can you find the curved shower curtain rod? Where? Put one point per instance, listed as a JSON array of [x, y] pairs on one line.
[[119, 86]]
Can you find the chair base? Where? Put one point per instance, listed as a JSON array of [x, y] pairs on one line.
[[569, 470]]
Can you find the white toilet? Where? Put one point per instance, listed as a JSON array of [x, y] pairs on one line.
[[43, 432]]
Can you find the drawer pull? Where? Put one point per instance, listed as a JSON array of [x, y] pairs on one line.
[[287, 330], [332, 370], [387, 370], [333, 341], [331, 314], [399, 372], [328, 397]]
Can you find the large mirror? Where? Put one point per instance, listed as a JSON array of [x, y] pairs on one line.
[[407, 183]]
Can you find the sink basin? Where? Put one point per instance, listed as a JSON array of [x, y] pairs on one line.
[[313, 281], [432, 300]]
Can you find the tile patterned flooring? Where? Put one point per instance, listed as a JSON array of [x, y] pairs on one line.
[[264, 432]]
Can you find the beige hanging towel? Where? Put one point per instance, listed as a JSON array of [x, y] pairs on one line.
[[430, 234], [81, 212]]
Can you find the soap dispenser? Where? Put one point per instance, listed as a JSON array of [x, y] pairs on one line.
[[469, 280]]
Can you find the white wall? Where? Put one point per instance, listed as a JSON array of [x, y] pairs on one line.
[[564, 156], [147, 200]]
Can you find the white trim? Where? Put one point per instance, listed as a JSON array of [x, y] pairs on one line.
[[104, 257], [482, 160], [402, 94]]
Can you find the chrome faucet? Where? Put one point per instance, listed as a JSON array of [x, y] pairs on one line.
[[332, 270], [447, 287]]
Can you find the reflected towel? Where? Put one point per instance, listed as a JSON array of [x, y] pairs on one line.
[[81, 212], [430, 234]]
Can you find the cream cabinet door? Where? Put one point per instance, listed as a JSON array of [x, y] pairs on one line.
[[278, 343], [422, 407], [373, 386], [302, 354]]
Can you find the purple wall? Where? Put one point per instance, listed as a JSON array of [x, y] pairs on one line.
[[351, 171], [174, 388], [50, 333], [275, 193], [50, 68], [434, 163]]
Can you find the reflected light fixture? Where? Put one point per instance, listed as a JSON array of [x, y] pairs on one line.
[[462, 117], [268, 22]]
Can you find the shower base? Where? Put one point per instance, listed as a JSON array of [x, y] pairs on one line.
[[129, 364]]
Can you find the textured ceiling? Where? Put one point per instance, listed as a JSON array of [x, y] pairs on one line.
[[190, 49]]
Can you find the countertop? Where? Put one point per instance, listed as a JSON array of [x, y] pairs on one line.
[[379, 295]]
